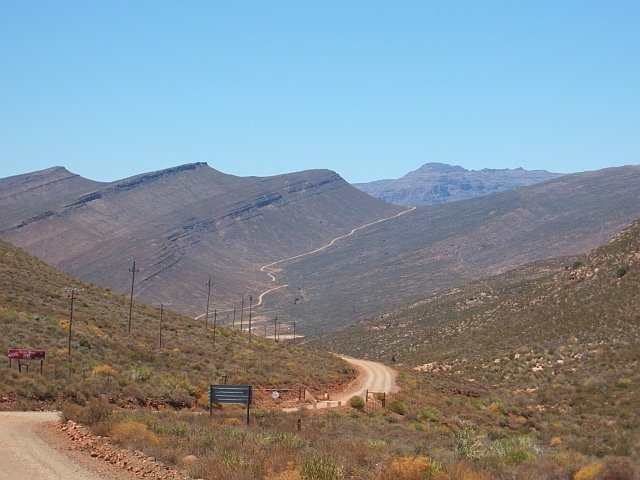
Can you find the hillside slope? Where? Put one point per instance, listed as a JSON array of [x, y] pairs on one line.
[[564, 344], [186, 224], [107, 359], [433, 248], [440, 183]]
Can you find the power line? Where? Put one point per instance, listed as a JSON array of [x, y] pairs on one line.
[[215, 315], [250, 300]]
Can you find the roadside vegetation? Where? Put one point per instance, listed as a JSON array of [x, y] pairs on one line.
[[437, 435], [130, 368]]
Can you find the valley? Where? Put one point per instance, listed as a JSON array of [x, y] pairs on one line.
[[507, 325], [190, 223]]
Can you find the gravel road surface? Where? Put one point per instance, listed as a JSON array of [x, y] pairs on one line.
[[30, 448]]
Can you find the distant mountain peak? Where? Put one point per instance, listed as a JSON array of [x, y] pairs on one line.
[[436, 167], [440, 183]]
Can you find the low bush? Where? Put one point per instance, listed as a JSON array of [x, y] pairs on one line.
[[470, 443], [516, 457], [132, 433], [321, 467], [356, 402], [398, 407], [430, 414]]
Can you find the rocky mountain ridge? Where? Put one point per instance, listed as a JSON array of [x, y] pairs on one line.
[[435, 183], [183, 225]]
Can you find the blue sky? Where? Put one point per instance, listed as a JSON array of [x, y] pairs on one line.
[[370, 89]]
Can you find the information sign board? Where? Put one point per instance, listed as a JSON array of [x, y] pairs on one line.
[[230, 394], [20, 354]]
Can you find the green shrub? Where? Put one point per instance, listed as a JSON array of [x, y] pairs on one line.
[[291, 441], [517, 457], [356, 402], [470, 443], [398, 407], [430, 414], [321, 467], [503, 447]]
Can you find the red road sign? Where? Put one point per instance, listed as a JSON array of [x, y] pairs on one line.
[[20, 354]]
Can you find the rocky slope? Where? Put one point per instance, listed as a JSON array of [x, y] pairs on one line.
[[440, 183], [25, 195]]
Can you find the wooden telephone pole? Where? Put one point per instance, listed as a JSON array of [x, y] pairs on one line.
[[206, 317], [73, 291], [133, 271]]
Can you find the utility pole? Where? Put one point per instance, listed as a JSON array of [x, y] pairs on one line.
[[215, 315], [206, 317], [294, 330], [73, 291], [133, 271], [161, 305], [275, 330], [233, 325], [250, 300], [241, 313]]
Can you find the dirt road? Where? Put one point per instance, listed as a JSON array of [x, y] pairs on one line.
[[374, 377], [26, 455], [31, 449]]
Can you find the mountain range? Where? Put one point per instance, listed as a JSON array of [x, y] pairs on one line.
[[436, 247], [440, 183], [181, 225], [186, 224]]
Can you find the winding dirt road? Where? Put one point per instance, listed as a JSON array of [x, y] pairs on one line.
[[269, 270], [373, 377]]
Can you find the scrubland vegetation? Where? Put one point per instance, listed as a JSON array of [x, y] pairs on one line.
[[130, 368], [561, 350], [529, 375], [438, 435]]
